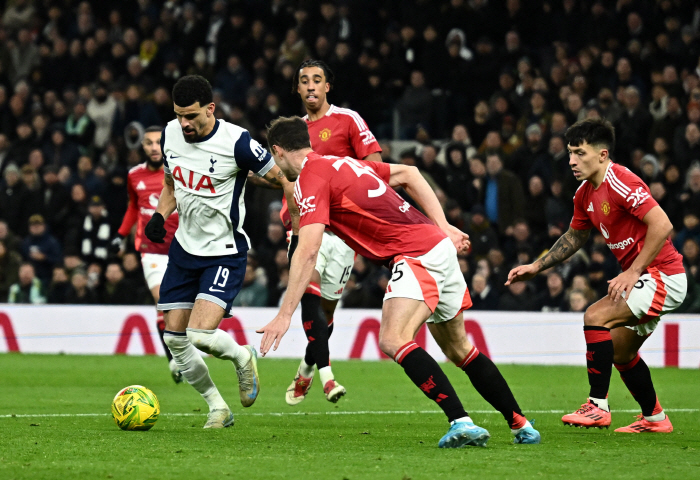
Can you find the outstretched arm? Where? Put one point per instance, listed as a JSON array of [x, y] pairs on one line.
[[303, 264], [418, 188], [562, 249]]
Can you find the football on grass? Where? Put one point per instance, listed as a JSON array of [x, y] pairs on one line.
[[135, 408]]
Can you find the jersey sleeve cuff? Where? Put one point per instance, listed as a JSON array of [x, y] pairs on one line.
[[268, 166]]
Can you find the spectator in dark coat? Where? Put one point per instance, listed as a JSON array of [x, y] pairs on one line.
[[79, 293], [9, 269], [415, 106], [502, 195], [483, 296], [116, 289], [40, 248], [13, 197], [59, 286]]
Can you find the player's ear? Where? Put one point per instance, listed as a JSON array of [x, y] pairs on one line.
[[328, 87], [604, 154], [210, 109]]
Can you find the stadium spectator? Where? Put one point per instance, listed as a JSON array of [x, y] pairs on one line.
[[28, 289], [502, 195], [58, 288], [553, 298], [40, 248], [95, 235], [483, 296], [10, 262], [79, 293], [252, 294], [116, 290]]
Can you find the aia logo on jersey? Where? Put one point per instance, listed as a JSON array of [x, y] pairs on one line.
[[325, 134], [192, 180], [605, 207]]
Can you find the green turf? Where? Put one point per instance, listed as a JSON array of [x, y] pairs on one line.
[[320, 444]]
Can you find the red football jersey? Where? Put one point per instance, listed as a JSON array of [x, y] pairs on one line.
[[616, 210], [353, 198], [144, 187], [341, 132]]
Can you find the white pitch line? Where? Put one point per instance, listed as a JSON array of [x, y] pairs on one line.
[[361, 412]]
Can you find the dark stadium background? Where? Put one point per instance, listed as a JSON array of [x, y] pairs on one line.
[[444, 85]]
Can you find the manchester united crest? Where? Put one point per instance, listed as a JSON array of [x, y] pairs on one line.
[[325, 134], [605, 207]]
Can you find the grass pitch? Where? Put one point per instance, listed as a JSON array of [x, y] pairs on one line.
[[55, 424]]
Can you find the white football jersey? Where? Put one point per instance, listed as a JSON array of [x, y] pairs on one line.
[[209, 177]]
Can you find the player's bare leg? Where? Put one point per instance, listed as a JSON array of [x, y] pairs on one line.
[[401, 319], [635, 373], [204, 334], [484, 375], [160, 326], [314, 317], [193, 368], [598, 320]]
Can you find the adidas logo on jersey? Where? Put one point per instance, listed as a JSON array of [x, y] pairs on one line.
[[141, 186], [590, 207]]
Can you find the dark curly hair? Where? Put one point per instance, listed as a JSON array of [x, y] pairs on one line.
[[593, 131], [290, 133], [330, 78], [191, 89]]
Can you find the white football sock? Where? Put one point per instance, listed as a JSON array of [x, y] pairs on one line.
[[306, 370], [462, 419], [516, 431], [656, 418], [601, 402], [219, 344], [193, 368], [326, 374]]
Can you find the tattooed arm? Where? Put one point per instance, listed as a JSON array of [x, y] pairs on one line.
[[566, 246], [166, 202]]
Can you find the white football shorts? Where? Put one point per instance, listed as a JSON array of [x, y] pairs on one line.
[[154, 265], [334, 263], [654, 295], [434, 278]]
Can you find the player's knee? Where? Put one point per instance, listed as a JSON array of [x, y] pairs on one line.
[[388, 345], [593, 318], [201, 339], [621, 358]]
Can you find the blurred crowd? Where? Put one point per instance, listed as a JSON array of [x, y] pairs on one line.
[[476, 93]]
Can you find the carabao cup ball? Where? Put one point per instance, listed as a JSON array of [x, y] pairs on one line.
[[135, 408]]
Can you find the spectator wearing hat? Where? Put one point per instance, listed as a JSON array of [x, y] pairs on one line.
[[532, 152], [28, 289], [40, 248], [96, 232]]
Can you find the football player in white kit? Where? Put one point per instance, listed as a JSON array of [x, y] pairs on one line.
[[206, 164]]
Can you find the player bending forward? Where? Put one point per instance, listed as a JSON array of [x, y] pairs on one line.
[[619, 205], [144, 184], [332, 131], [206, 165], [355, 199]]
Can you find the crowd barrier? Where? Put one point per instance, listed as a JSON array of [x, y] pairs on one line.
[[506, 337]]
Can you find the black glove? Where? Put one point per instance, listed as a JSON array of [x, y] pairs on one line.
[[116, 245], [293, 242], [155, 230]]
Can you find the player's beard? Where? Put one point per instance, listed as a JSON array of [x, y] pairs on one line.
[[155, 165]]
